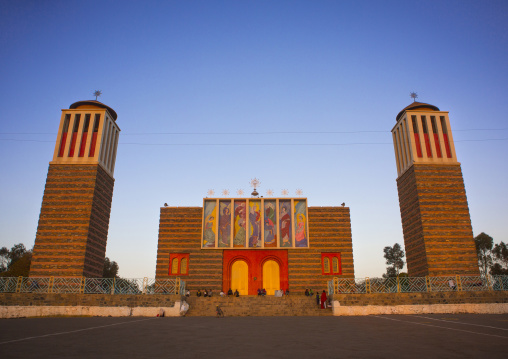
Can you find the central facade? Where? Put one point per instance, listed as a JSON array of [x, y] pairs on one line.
[[250, 243]]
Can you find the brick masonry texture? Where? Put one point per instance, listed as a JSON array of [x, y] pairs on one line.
[[293, 305], [180, 232], [73, 223], [98, 300], [390, 299], [436, 224]]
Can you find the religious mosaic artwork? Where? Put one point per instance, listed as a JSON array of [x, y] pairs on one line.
[[300, 223], [255, 223], [285, 223], [210, 223], [224, 223], [270, 230], [240, 222]]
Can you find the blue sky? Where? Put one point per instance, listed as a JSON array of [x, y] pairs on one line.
[[315, 74]]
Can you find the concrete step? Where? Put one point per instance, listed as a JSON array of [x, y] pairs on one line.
[[256, 306]]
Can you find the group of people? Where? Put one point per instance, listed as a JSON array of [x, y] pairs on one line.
[[206, 293], [320, 299], [209, 293], [262, 292]]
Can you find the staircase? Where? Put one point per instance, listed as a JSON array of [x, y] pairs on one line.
[[246, 306]]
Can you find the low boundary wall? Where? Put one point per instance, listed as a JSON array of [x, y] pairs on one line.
[[485, 302], [16, 305]]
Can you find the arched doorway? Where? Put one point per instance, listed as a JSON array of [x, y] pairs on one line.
[[240, 277], [271, 276]]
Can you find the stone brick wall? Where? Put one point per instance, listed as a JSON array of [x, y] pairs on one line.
[[180, 232], [73, 223], [98, 300], [390, 299], [437, 228], [329, 231]]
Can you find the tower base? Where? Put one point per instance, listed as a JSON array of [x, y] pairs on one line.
[[73, 224], [435, 220]]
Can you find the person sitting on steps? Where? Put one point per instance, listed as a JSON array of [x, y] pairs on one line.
[[237, 294], [198, 293], [206, 293], [306, 292], [230, 292]]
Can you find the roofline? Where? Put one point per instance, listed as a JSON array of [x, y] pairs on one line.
[[94, 103]]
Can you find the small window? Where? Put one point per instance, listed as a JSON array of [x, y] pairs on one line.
[[326, 265], [332, 259], [183, 266], [335, 265], [179, 264], [174, 266]]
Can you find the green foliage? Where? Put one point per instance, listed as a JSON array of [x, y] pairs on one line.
[[15, 262], [110, 269], [484, 244], [395, 259], [500, 252]]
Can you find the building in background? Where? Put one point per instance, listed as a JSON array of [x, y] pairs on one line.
[[251, 243], [435, 215], [73, 224]]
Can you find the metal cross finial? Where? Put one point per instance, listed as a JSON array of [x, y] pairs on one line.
[[97, 94], [413, 95], [254, 183]]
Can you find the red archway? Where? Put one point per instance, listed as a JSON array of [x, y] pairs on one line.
[[255, 259]]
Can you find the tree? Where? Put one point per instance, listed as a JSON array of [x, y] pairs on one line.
[[500, 253], [15, 262], [20, 268], [110, 269], [395, 259], [484, 244]]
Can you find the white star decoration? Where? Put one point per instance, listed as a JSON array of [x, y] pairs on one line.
[[211, 192], [299, 192], [269, 193], [285, 192], [225, 192], [239, 192]]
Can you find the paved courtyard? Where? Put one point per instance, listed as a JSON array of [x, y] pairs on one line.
[[422, 336]]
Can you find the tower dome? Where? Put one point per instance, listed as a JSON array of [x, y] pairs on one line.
[[417, 105]]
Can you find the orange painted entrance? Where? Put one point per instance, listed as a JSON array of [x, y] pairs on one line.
[[271, 276], [250, 270], [240, 277]]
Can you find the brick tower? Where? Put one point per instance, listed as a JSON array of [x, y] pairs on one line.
[[435, 215], [74, 220]]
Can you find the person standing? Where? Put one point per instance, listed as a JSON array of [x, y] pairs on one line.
[[323, 300], [317, 298]]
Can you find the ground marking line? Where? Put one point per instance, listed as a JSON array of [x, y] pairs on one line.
[[446, 321], [73, 331], [437, 326]]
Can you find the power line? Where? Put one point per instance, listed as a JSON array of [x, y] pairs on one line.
[[259, 144], [252, 133]]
